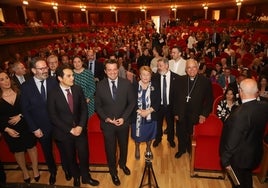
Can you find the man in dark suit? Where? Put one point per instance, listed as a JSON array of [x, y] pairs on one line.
[[226, 78], [96, 67], [68, 112], [231, 60], [165, 110], [241, 144], [53, 63], [235, 86], [212, 53], [115, 101], [192, 104], [20, 73], [34, 108]]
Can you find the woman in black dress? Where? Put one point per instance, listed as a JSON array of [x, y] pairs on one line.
[[14, 129]]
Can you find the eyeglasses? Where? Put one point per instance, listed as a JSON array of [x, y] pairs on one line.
[[42, 68]]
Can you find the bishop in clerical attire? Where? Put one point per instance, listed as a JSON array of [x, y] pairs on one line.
[[192, 104]]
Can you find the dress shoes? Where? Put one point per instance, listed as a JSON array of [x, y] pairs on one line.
[[125, 170], [77, 182], [52, 179], [116, 180], [179, 154], [37, 178], [172, 144], [28, 180], [68, 176], [156, 143], [91, 181]]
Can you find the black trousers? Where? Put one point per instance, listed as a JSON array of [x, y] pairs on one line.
[[165, 112], [2, 174], [244, 176], [112, 136], [46, 144], [184, 130], [77, 146], [63, 154]]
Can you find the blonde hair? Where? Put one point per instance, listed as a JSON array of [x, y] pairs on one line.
[[146, 68]]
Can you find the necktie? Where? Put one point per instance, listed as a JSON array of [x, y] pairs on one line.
[[21, 79], [114, 90], [164, 91], [70, 99], [43, 91], [226, 82], [90, 66]]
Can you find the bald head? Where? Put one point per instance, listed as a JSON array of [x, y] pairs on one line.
[[248, 89]]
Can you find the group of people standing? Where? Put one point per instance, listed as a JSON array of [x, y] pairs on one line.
[[59, 110]]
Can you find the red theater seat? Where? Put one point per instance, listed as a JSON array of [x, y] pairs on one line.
[[215, 104], [205, 148], [217, 90], [97, 153]]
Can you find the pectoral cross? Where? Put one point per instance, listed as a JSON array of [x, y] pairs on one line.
[[188, 98]]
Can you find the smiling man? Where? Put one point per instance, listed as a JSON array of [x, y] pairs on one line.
[[115, 101], [68, 112]]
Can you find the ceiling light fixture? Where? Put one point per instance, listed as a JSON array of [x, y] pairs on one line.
[[239, 2], [173, 7], [205, 5], [83, 8], [54, 5], [112, 8], [143, 8], [25, 2]]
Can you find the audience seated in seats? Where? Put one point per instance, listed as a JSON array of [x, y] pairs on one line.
[[263, 87], [227, 104], [226, 78]]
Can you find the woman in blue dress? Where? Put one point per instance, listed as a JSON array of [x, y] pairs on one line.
[[144, 123]]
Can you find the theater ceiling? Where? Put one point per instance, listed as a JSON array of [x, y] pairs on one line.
[[127, 5]]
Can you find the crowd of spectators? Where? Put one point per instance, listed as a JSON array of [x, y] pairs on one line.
[[223, 55]]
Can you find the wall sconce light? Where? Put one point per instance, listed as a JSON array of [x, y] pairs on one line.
[[112, 8], [54, 5], [173, 7], [205, 6], [143, 8], [83, 8], [239, 2], [25, 2]]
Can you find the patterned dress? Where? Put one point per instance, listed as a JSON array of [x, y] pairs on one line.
[[223, 111], [85, 79]]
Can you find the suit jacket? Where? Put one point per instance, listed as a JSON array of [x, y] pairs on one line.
[[155, 97], [221, 80], [242, 135], [98, 70], [211, 56], [121, 107], [34, 108], [61, 116], [173, 81], [16, 80], [229, 62], [201, 98]]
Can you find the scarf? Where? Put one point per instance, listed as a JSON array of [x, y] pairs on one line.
[[147, 104]]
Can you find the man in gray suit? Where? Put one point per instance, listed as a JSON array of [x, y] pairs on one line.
[[115, 101]]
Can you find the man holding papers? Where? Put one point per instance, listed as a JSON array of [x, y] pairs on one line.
[[241, 142]]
